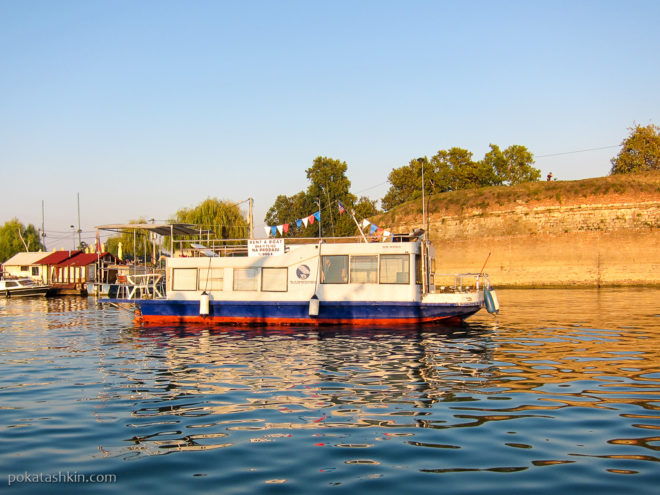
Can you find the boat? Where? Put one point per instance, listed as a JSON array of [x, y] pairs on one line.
[[22, 287], [312, 282]]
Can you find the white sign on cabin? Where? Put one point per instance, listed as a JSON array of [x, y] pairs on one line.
[[265, 247]]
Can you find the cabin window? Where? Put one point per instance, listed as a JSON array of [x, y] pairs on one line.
[[418, 269], [211, 278], [394, 269], [184, 279], [364, 269], [11, 283], [24, 268], [246, 278], [274, 279], [334, 269], [35, 271]]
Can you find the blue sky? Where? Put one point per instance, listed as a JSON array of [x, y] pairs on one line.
[[146, 107]]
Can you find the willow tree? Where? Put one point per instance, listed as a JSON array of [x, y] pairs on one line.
[[224, 218]]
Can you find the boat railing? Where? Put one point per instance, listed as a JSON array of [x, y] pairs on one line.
[[239, 247], [141, 286], [458, 282]]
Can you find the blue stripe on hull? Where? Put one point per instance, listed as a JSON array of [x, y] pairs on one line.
[[328, 311]]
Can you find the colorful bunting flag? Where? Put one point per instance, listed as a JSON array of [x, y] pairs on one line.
[[316, 217]]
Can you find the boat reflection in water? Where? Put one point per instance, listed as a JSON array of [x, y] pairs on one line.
[[286, 379]]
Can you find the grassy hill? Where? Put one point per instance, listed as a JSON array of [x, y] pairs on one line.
[[615, 189]]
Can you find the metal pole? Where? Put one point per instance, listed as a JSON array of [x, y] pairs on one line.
[[43, 228], [423, 244], [318, 200], [79, 231], [251, 201], [421, 162]]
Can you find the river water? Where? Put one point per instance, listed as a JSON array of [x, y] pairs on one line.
[[559, 393]]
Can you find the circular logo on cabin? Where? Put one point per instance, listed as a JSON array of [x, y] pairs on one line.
[[303, 272]]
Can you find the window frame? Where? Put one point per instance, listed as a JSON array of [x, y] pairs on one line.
[[384, 257], [278, 269], [210, 271], [255, 277], [352, 271], [344, 277], [174, 279]]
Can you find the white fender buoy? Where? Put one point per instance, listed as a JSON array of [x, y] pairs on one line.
[[492, 304], [314, 306], [204, 304]]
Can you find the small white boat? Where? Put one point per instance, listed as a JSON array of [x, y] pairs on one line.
[[22, 287]]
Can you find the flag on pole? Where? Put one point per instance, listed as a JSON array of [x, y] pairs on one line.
[[341, 207]]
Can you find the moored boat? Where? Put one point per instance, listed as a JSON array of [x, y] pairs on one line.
[[329, 281], [23, 287]]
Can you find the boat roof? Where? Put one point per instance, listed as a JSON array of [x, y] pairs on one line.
[[84, 259], [158, 228], [24, 259], [57, 257]]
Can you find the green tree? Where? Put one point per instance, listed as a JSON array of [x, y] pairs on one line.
[[17, 238], [455, 169], [640, 151], [328, 186], [511, 166], [222, 217], [405, 183], [328, 183], [288, 209]]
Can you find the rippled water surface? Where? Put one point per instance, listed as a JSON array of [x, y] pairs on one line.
[[558, 394]]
